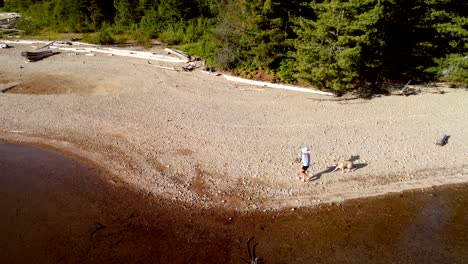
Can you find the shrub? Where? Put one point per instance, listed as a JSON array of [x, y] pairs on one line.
[[28, 26], [454, 69], [105, 36], [151, 24], [287, 71], [173, 34]]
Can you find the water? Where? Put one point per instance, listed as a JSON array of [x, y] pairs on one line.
[[58, 209]]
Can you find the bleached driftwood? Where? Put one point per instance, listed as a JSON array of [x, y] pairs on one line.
[[30, 42], [211, 73], [127, 53], [405, 91], [276, 86], [46, 45], [178, 53], [90, 48]]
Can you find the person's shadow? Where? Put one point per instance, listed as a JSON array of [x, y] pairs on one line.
[[317, 176], [353, 159]]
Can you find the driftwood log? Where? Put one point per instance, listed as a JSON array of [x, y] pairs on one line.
[[178, 53], [253, 259], [46, 45], [36, 56], [8, 86], [335, 100]]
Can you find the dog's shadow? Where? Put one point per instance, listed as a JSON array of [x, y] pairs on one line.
[[353, 158], [359, 166]]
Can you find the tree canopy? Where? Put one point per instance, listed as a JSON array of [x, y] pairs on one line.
[[330, 44]]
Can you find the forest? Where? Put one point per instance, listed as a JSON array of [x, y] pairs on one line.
[[337, 45]]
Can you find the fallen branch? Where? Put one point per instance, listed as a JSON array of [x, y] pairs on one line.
[[121, 52], [334, 100], [276, 85], [253, 259], [178, 53], [405, 88], [8, 86], [46, 45], [211, 73], [36, 56]]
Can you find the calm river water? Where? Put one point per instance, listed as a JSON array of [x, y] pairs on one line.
[[55, 209]]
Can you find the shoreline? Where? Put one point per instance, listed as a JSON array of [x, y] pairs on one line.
[[201, 139], [66, 149]]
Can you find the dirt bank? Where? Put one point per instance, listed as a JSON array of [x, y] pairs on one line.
[[201, 139]]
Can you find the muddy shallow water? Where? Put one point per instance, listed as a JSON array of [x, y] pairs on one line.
[[57, 209]]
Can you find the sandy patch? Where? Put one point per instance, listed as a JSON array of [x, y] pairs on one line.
[[202, 139]]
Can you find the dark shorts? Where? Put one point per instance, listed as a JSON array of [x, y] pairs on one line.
[[304, 168]]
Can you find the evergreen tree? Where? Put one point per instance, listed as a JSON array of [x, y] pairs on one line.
[[127, 12], [253, 34], [333, 44], [339, 49], [417, 33]]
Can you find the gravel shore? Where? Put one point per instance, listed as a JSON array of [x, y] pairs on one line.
[[201, 139]]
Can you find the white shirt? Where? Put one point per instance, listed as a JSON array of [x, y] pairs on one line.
[[305, 159]]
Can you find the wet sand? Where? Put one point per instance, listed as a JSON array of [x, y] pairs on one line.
[[58, 209]]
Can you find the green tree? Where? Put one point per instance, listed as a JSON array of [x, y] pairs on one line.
[[454, 69], [339, 48], [127, 12], [417, 33], [253, 34]]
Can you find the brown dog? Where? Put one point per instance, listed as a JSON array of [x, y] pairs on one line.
[[344, 165]]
